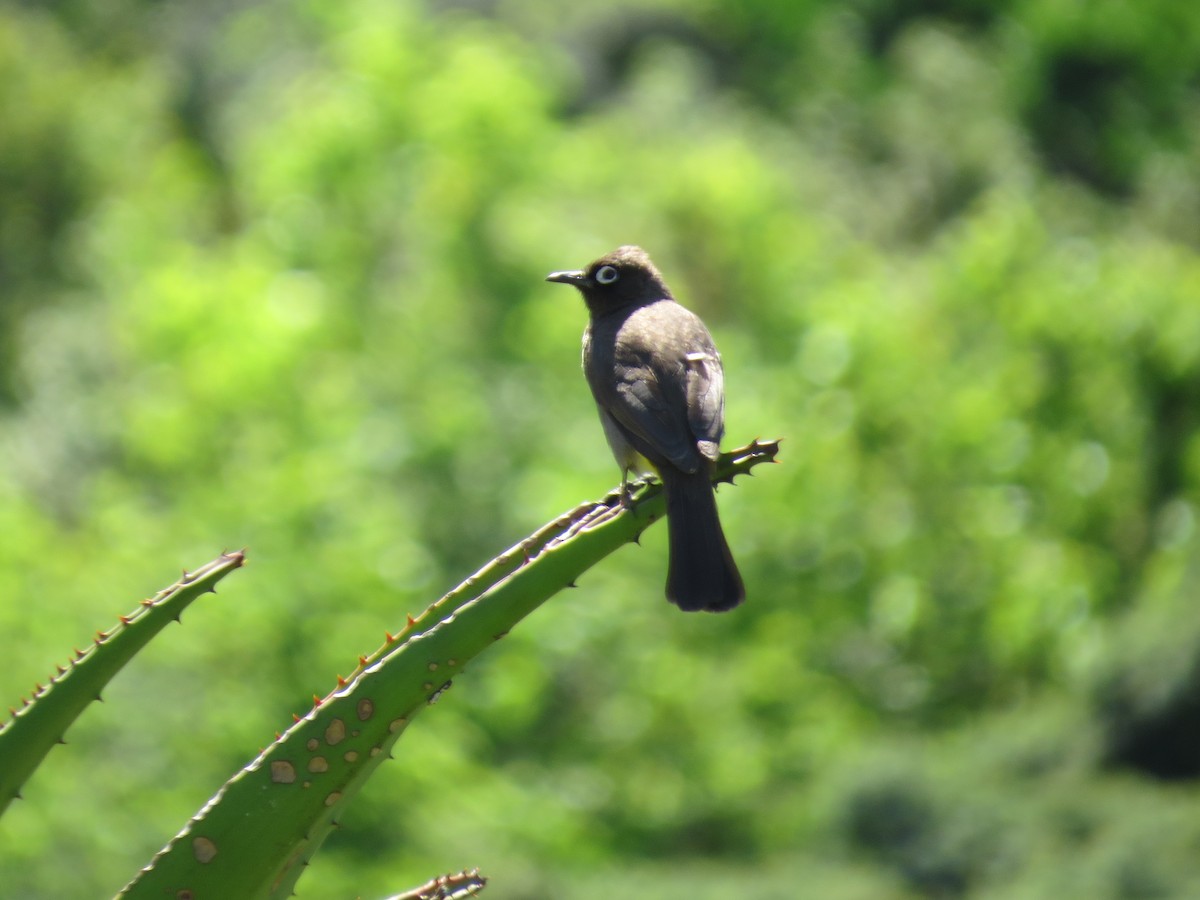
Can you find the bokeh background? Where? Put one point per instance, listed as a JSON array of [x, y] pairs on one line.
[[271, 277]]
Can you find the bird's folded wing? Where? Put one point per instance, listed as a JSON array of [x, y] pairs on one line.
[[706, 400], [642, 408]]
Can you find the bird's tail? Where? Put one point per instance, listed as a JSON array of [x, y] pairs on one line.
[[701, 573]]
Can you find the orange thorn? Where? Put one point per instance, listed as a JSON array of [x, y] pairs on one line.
[[295, 718], [362, 661], [411, 621], [389, 638], [342, 682], [316, 701], [125, 620]]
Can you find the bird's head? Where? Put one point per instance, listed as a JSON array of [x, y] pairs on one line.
[[625, 277]]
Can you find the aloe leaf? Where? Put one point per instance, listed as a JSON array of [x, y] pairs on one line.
[[455, 886], [43, 718]]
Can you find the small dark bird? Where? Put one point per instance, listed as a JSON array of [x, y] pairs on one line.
[[660, 390]]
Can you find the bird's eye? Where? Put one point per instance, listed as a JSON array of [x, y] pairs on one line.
[[607, 275]]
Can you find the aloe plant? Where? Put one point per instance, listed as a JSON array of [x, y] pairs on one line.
[[256, 835], [43, 718]]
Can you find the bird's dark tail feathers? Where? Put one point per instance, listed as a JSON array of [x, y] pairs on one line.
[[701, 573]]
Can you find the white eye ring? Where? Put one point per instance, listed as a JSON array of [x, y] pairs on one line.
[[607, 275]]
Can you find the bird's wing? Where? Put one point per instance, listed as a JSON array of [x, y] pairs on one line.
[[654, 413], [660, 380], [653, 423], [706, 399]]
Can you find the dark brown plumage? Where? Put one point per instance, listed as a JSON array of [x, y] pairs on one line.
[[658, 384]]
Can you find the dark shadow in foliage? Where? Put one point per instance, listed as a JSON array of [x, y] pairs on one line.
[[895, 822], [886, 19], [1174, 401], [1094, 104], [611, 52], [1153, 728]]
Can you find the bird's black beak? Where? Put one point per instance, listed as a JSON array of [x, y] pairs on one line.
[[575, 277]]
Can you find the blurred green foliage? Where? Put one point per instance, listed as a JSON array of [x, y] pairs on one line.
[[270, 276]]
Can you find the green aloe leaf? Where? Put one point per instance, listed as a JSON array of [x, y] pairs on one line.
[[43, 719]]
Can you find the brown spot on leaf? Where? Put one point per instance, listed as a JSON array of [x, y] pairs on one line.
[[335, 732], [204, 849]]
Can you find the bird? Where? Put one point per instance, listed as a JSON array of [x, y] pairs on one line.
[[659, 387]]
